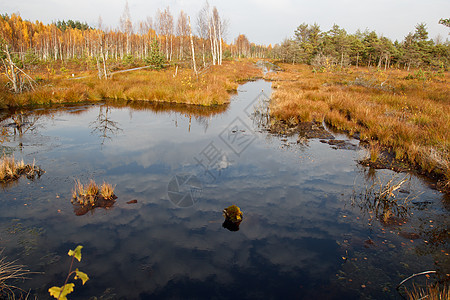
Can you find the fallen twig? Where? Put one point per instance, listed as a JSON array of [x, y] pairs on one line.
[[414, 275]]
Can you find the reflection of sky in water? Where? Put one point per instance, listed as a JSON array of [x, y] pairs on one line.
[[290, 244]]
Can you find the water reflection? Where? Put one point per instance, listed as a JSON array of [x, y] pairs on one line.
[[290, 245], [104, 125], [385, 199], [19, 122], [231, 226], [15, 125], [197, 111], [81, 210]]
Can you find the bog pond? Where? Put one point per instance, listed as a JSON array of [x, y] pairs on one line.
[[310, 228]]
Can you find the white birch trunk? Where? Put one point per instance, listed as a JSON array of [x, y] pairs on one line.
[[192, 46]]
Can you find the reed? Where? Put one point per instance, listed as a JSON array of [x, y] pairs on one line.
[[10, 271], [431, 292]]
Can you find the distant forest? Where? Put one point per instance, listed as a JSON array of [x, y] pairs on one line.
[[336, 47], [164, 37], [174, 40]]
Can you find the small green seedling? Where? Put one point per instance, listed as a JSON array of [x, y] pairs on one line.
[[62, 292]]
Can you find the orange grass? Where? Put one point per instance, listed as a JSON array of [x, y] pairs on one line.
[[89, 194], [10, 271], [10, 169], [107, 190], [410, 117], [430, 293], [210, 87]]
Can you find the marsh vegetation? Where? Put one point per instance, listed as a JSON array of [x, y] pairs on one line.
[[403, 121], [176, 85], [11, 169], [10, 274], [138, 108], [87, 197]]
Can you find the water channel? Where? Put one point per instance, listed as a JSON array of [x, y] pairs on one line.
[[307, 231]]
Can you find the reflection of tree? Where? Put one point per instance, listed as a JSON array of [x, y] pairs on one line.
[[23, 122], [203, 121], [17, 124], [103, 125], [201, 114]]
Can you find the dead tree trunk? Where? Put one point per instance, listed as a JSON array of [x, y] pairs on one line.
[[16, 75], [11, 72]]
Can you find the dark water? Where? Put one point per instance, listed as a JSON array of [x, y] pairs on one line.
[[307, 232]]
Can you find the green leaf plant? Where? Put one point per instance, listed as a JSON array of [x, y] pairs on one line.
[[62, 292]]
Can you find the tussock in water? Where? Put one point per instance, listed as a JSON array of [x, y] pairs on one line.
[[88, 197], [10, 169]]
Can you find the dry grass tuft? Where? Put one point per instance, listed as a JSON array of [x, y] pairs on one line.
[[92, 188], [91, 196], [107, 191], [10, 271], [434, 292], [10, 169], [85, 194]]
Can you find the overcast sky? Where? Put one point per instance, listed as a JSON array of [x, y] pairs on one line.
[[262, 21]]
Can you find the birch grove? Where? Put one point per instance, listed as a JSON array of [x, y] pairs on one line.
[[31, 42]]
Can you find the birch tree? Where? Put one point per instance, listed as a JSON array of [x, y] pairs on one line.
[[126, 26], [192, 46], [203, 29], [164, 20], [183, 30]]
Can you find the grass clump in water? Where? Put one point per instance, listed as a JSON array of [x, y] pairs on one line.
[[233, 218], [10, 169], [90, 196], [107, 191]]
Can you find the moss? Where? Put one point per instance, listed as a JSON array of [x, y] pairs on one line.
[[233, 214]]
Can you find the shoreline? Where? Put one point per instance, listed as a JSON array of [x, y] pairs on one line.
[[399, 120]]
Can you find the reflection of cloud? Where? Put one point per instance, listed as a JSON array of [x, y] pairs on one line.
[[290, 200], [224, 163]]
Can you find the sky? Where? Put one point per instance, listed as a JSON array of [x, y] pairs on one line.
[[262, 21]]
